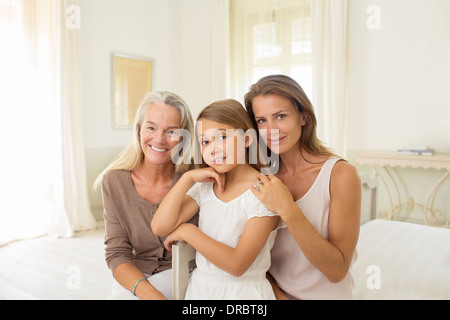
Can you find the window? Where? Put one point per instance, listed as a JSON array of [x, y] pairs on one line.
[[270, 37], [26, 130]]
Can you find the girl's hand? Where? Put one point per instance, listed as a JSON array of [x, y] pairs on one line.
[[274, 194], [176, 235], [208, 175]]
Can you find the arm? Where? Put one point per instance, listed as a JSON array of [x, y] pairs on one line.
[[279, 294], [237, 260], [176, 207], [332, 257], [119, 256], [127, 275]]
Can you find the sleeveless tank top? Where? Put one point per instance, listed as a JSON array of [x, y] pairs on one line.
[[290, 268]]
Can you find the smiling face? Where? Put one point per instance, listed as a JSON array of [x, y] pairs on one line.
[[279, 122], [158, 133], [222, 146]]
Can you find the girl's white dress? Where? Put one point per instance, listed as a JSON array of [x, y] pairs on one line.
[[225, 222]]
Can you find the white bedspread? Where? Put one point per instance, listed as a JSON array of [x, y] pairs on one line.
[[413, 261], [56, 269]]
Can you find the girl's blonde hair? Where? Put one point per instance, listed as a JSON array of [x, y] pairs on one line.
[[132, 155], [232, 113]]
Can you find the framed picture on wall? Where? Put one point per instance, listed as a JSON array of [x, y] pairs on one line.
[[132, 79]]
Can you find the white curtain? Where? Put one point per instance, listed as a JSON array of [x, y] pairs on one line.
[[43, 190], [73, 175], [330, 20], [269, 37], [220, 45]]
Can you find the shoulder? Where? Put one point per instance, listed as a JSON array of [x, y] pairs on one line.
[[254, 207], [202, 186], [198, 190], [116, 174], [113, 177], [344, 169], [344, 175]]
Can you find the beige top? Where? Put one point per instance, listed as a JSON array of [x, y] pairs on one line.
[[129, 237], [290, 268]]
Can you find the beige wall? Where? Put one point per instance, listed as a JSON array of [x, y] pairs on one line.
[[399, 93]]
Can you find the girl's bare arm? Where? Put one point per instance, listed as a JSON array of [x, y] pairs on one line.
[[237, 260], [176, 207]]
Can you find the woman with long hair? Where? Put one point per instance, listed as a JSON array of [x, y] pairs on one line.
[[133, 185], [315, 192]]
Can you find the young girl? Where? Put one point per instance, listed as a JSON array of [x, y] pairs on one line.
[[236, 231]]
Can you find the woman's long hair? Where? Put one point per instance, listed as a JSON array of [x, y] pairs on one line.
[[288, 88]]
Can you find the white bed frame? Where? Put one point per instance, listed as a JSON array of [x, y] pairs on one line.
[[369, 187], [391, 259]]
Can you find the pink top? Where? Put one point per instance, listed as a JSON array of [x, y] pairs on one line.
[[290, 268]]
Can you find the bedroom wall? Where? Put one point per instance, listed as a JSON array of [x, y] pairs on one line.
[[399, 79], [173, 32], [399, 75]]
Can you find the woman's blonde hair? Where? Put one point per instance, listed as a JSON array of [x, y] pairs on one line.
[[232, 113], [288, 88], [132, 155]]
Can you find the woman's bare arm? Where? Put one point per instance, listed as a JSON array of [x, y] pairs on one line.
[[332, 257]]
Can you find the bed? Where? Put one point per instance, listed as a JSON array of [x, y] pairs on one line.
[[399, 260], [395, 260]]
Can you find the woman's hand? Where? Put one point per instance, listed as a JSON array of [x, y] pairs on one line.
[[208, 175], [274, 194]]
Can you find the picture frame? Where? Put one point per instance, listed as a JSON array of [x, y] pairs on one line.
[[132, 78]]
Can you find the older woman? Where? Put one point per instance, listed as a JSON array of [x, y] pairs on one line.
[[316, 194], [133, 185]]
